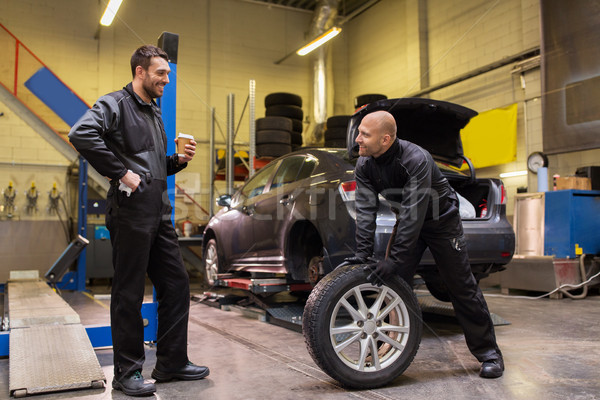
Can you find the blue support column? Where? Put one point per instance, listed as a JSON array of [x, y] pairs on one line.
[[168, 104], [82, 220], [169, 42], [75, 280]]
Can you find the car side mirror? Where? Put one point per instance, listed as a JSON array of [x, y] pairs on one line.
[[224, 200]]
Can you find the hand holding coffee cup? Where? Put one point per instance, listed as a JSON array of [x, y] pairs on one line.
[[186, 147]]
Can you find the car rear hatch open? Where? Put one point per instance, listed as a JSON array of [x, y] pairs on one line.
[[432, 124]]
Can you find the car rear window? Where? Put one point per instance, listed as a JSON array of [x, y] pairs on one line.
[[342, 154]]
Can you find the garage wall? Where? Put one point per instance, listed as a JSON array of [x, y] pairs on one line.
[[33, 237], [396, 47], [223, 44], [399, 47]]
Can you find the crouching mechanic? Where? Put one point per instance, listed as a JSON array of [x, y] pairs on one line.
[[123, 138], [406, 175]]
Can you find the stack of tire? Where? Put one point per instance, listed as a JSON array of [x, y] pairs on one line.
[[335, 134], [273, 136], [365, 99], [287, 105]]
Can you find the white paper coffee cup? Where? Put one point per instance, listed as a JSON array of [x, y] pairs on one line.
[[182, 140]]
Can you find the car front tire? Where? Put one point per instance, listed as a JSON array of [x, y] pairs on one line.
[[211, 262]]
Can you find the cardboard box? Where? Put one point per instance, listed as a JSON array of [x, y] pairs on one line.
[[573, 182]]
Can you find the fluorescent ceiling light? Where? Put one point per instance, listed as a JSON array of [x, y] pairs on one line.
[[110, 12], [511, 174], [330, 34]]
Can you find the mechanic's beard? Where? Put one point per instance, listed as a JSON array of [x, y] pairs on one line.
[[151, 91]]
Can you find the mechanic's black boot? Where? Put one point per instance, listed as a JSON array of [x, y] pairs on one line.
[[492, 368], [188, 372], [134, 385]]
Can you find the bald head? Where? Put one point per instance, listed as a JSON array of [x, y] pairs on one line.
[[376, 133], [384, 122]]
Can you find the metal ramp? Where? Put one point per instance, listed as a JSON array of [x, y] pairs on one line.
[[49, 349]]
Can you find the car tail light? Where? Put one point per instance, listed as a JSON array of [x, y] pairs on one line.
[[347, 190], [502, 194], [505, 254]]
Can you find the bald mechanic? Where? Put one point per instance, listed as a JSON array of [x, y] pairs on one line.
[[406, 175]]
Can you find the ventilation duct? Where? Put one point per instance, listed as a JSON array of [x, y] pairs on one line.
[[324, 18]]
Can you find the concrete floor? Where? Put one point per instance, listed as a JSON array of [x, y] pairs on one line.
[[551, 351]]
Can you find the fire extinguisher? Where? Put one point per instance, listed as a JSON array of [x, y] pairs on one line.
[[483, 207], [187, 227]]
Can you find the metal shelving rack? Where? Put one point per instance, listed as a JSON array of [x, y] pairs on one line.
[[232, 131]]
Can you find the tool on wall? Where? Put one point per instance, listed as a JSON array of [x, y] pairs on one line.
[[32, 197], [53, 197], [9, 199]]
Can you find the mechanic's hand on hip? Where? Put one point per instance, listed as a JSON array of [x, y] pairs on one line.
[[132, 180], [381, 272]]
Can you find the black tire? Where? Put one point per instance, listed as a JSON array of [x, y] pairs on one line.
[[278, 123], [282, 98], [296, 139], [272, 150], [211, 262], [436, 287], [297, 125], [363, 99], [335, 143], [338, 121], [325, 308], [273, 136], [335, 133], [294, 112]]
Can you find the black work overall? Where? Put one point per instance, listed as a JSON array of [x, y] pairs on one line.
[[452, 261], [428, 217], [144, 241]]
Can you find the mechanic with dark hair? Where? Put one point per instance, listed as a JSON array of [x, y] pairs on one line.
[[427, 216], [123, 138]]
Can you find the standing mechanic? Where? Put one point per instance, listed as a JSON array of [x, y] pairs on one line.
[[407, 176], [123, 138]]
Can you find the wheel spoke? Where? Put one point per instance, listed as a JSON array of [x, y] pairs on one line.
[[341, 346], [379, 301], [385, 338], [374, 353], [350, 328], [364, 351], [210, 256], [362, 307], [394, 328], [355, 314], [389, 308]]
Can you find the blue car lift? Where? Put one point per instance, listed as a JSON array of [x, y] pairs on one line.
[[100, 336]]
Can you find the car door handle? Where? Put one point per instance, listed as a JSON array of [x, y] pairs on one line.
[[285, 200]]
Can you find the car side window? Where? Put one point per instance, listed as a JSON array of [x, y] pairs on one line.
[[307, 168], [288, 171], [256, 185]]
